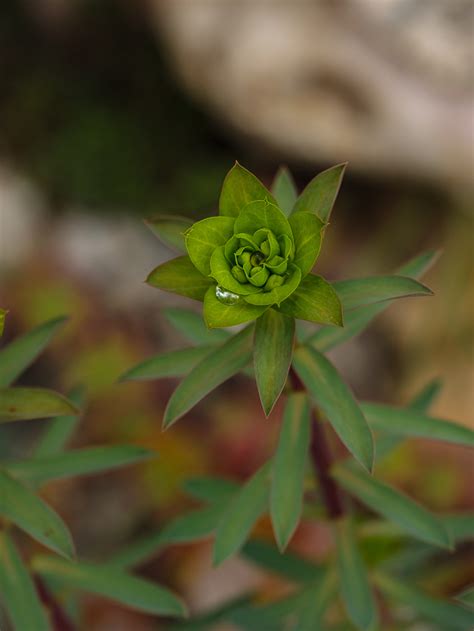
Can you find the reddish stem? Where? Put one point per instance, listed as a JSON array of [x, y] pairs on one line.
[[59, 620]]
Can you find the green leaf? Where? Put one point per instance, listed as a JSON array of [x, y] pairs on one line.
[[170, 230], [85, 461], [314, 300], [23, 404], [277, 295], [179, 276], [219, 365], [410, 516], [410, 423], [284, 190], [110, 582], [445, 614], [216, 314], [354, 581], [171, 364], [21, 506], [248, 504], [459, 525], [241, 187], [191, 326], [466, 597], [220, 271], [288, 565], [356, 321], [273, 348], [17, 590], [320, 194], [19, 354], [3, 314], [59, 430], [308, 232], [426, 397], [204, 237], [337, 402], [213, 490], [289, 465], [262, 214], [366, 291]]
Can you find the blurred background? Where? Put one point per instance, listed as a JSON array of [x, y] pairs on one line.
[[115, 110]]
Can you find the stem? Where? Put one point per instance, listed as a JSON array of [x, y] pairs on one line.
[[321, 458], [59, 620]]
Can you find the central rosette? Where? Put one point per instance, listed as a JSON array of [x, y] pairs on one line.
[[259, 259]]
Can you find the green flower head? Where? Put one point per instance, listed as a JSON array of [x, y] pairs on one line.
[[255, 255]]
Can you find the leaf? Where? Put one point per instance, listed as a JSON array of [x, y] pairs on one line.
[[241, 187], [272, 352], [170, 230], [466, 597], [21, 506], [241, 513], [426, 397], [19, 354], [85, 461], [221, 272], [277, 295], [366, 291], [18, 592], [284, 190], [59, 430], [204, 237], [354, 581], [320, 194], [410, 423], [217, 314], [288, 565], [314, 300], [383, 499], [110, 582], [336, 401], [171, 364], [179, 276], [443, 613], [3, 314], [459, 525], [308, 232], [287, 487], [356, 321], [23, 404], [213, 490], [219, 365], [262, 214], [191, 326]]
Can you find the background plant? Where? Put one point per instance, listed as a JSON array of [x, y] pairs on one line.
[[370, 553]]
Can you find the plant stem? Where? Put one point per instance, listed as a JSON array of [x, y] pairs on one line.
[[321, 458], [59, 620]]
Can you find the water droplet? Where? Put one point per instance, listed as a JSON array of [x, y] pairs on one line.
[[226, 297]]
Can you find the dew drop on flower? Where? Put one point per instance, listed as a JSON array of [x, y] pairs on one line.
[[226, 297]]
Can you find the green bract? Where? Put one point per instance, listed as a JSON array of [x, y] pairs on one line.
[[253, 256]]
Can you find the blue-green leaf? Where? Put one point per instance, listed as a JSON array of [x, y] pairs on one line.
[[288, 565], [59, 430], [170, 364], [284, 190], [170, 230], [191, 326], [337, 402], [360, 292], [19, 354], [287, 487]]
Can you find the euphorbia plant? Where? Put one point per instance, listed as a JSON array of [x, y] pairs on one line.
[[251, 265]]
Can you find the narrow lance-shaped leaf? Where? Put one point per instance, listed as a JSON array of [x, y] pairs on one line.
[[241, 514], [337, 402], [308, 231], [19, 354], [354, 581], [59, 430], [170, 230], [284, 190], [241, 187], [77, 462], [171, 364], [17, 590], [287, 487], [23, 404], [383, 499], [467, 597], [211, 490], [320, 194], [179, 276], [359, 292], [31, 514], [410, 423], [191, 326], [110, 582], [221, 364], [273, 349], [314, 300], [444, 614], [424, 399], [288, 565]]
